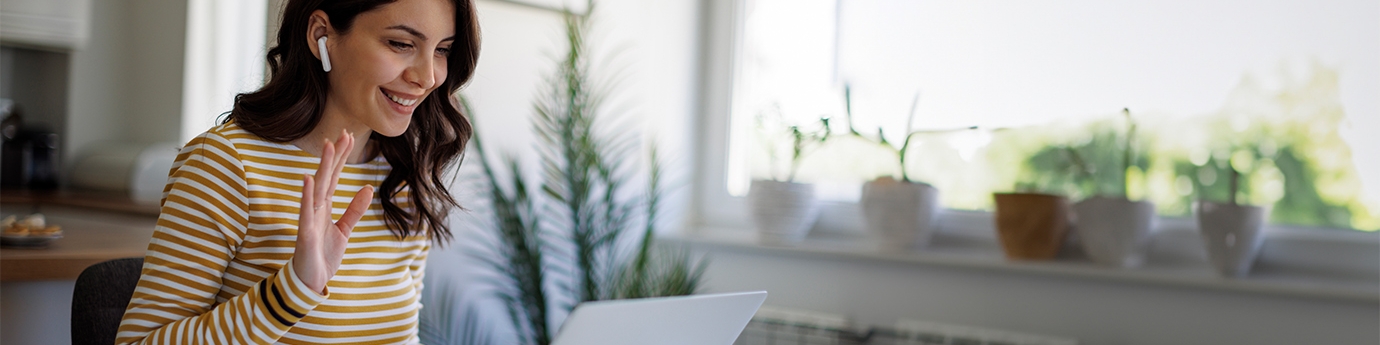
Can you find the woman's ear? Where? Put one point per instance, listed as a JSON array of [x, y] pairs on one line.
[[318, 26]]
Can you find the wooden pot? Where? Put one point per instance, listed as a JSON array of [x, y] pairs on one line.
[[1031, 226]]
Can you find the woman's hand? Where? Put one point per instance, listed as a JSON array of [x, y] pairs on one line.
[[320, 242]]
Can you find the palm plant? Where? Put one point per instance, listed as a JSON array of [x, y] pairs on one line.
[[570, 254], [584, 172], [656, 273], [521, 247]]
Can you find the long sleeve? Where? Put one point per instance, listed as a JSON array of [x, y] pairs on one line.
[[203, 222]]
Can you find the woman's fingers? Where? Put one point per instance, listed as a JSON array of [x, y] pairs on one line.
[[323, 174], [308, 202], [356, 210], [342, 150], [343, 146]]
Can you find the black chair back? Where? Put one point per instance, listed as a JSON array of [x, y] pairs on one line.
[[100, 298]]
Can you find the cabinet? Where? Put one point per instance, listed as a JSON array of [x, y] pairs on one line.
[[54, 24]]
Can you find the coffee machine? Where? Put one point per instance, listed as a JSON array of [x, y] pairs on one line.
[[28, 155]]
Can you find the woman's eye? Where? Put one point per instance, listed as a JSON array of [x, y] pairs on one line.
[[443, 51], [399, 45]]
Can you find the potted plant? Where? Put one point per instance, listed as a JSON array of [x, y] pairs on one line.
[[1033, 222], [782, 209], [581, 232], [1232, 233], [904, 213], [1114, 229]]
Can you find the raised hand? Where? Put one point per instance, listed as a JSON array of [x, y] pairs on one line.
[[321, 242]]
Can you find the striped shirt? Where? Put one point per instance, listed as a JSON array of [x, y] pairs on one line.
[[218, 269]]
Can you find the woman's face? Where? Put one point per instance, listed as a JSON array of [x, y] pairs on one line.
[[388, 62]]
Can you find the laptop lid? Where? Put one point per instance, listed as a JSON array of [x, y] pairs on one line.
[[686, 320]]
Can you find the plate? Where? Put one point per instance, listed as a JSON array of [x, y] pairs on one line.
[[27, 240]]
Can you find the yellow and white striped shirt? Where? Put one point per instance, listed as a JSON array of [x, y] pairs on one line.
[[218, 268]]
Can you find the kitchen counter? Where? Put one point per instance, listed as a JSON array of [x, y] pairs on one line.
[[89, 235]]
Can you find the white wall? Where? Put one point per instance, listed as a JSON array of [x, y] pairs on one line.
[[96, 99], [1093, 311], [127, 80], [158, 37], [656, 50]]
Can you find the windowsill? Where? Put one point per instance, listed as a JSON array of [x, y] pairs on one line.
[[958, 251]]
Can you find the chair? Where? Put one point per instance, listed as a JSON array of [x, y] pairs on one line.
[[99, 300]]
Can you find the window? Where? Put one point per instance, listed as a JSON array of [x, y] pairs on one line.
[[1281, 92], [225, 57]]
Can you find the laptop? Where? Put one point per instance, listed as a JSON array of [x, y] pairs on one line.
[[686, 320]]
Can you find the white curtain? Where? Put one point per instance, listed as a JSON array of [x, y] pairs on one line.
[[225, 56]]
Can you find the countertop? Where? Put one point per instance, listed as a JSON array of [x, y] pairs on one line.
[[89, 235]]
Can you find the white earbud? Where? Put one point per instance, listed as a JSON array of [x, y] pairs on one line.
[[325, 57]]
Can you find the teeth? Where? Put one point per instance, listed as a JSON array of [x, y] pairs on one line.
[[404, 102]]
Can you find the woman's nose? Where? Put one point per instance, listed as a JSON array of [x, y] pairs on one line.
[[421, 72]]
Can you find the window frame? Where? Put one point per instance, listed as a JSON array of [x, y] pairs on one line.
[[1315, 248]]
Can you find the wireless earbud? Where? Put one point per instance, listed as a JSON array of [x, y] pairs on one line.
[[325, 57]]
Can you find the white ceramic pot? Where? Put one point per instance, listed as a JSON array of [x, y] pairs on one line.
[[782, 211], [902, 215], [1115, 231], [1232, 234]]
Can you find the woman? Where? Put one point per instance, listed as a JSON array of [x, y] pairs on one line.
[[261, 241]]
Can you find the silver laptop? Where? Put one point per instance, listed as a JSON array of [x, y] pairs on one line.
[[687, 320]]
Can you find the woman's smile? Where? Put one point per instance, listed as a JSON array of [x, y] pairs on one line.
[[401, 103], [403, 100]]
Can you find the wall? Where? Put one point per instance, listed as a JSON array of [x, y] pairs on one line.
[[158, 38], [97, 99], [653, 44], [127, 81], [1093, 311]]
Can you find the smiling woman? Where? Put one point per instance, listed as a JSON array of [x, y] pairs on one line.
[[269, 230]]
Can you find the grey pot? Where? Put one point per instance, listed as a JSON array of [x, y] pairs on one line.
[[1232, 235], [901, 215], [783, 212], [1115, 231]]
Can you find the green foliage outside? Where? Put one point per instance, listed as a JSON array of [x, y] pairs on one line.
[[1285, 143]]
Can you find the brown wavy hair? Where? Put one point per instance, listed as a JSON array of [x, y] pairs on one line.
[[289, 107]]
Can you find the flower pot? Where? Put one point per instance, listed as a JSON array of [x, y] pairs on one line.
[[1115, 231], [1031, 226], [901, 214], [782, 211], [1232, 234]]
